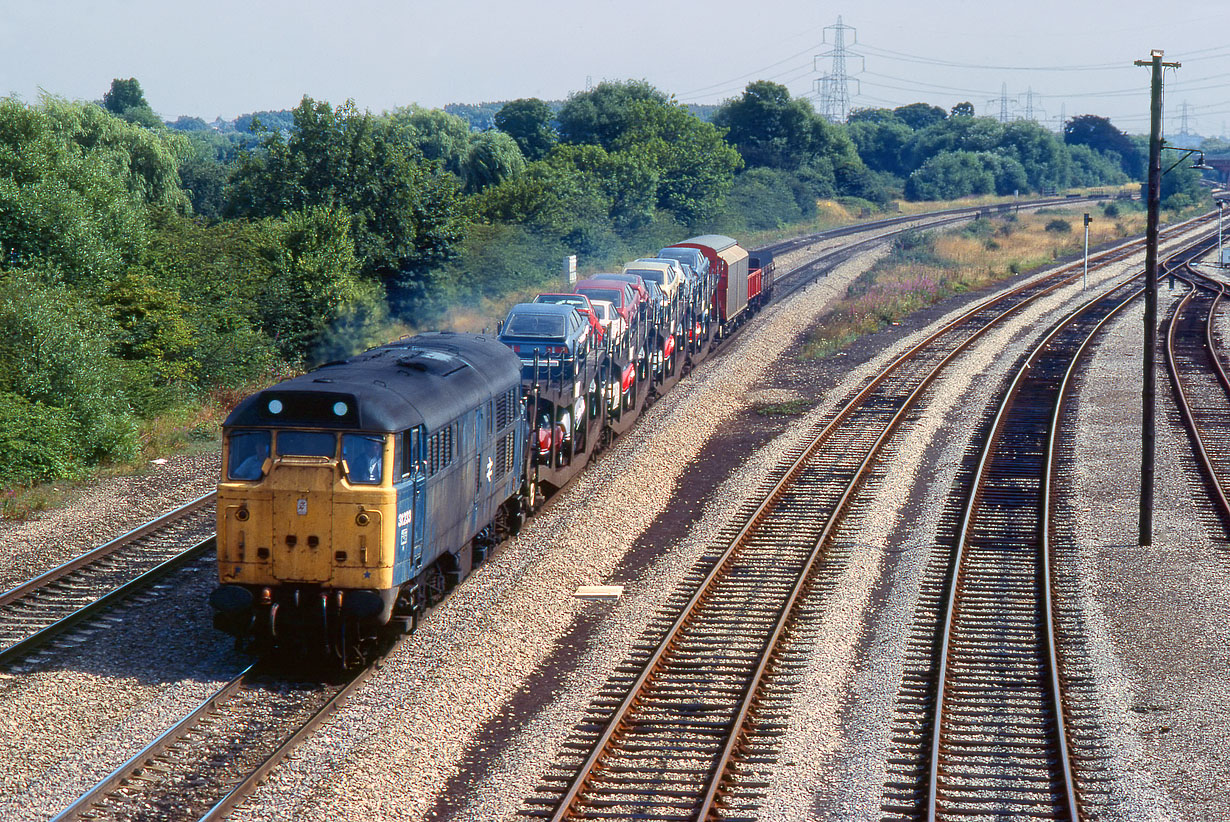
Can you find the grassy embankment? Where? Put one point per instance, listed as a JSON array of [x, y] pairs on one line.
[[921, 269]]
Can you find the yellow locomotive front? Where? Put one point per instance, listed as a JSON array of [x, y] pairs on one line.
[[311, 510], [307, 523]]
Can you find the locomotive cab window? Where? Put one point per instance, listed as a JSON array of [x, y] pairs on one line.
[[247, 454], [363, 455]]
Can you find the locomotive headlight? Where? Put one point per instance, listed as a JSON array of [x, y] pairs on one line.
[[362, 519], [275, 406], [340, 408], [242, 515]]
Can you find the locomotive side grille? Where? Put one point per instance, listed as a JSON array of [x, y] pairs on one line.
[[504, 406], [504, 456]]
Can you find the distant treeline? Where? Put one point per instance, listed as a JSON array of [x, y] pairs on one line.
[[145, 264]]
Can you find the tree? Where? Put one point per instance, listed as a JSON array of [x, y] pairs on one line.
[[880, 143], [405, 216], [1008, 173], [628, 182], [188, 123], [768, 127], [920, 115], [767, 198], [694, 164], [492, 156], [437, 135], [124, 95], [870, 115], [555, 200], [950, 175], [772, 130], [963, 110], [951, 134], [1093, 168], [127, 101], [316, 282], [1039, 151], [603, 114], [1101, 135], [146, 161], [528, 121], [55, 354], [74, 185], [220, 273]]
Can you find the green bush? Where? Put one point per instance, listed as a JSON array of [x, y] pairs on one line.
[[1059, 226], [37, 441], [56, 352]]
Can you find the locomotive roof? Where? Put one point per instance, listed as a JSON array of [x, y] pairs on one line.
[[429, 379]]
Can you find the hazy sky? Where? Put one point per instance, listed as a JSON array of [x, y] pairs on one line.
[[229, 57]]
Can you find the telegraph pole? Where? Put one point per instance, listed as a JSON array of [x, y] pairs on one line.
[[1149, 391]]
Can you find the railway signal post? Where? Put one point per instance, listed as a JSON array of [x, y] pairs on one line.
[[1085, 277]]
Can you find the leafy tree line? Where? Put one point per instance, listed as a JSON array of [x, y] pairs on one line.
[[145, 264], [942, 155]]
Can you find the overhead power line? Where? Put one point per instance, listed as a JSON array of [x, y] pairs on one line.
[[932, 61]]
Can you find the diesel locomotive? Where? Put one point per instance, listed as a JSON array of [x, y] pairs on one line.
[[355, 496]]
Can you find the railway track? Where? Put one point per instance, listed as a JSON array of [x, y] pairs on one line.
[[1198, 377], [667, 737], [37, 611], [207, 763], [982, 727]]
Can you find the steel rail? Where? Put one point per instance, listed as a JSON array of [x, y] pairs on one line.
[[164, 740], [253, 780], [842, 253], [112, 597], [570, 800], [105, 550], [215, 704], [1070, 799], [1182, 398], [957, 564], [785, 246]]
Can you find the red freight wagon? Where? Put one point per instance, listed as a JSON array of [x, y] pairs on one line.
[[729, 260], [760, 273]]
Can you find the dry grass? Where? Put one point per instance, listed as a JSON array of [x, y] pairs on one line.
[[956, 261]]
